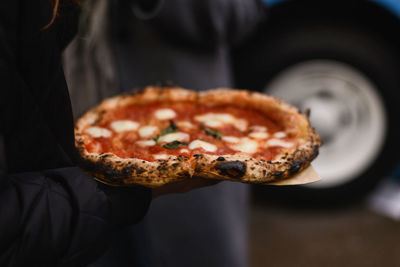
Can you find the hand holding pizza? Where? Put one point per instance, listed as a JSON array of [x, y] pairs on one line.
[[182, 186]]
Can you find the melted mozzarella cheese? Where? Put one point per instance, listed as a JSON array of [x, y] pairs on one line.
[[147, 131], [258, 128], [278, 142], [215, 119], [280, 135], [202, 144], [97, 132], [145, 143], [184, 150], [214, 124], [178, 136], [259, 135], [241, 125], [230, 139], [165, 114], [185, 124], [124, 125], [246, 145], [160, 156]]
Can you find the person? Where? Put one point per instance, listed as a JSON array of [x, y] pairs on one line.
[[139, 43], [51, 212]]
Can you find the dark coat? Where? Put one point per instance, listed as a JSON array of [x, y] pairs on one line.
[[51, 212]]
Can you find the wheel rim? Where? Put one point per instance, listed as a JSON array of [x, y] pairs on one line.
[[346, 111]]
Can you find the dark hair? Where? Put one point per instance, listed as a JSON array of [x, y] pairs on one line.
[[56, 4]]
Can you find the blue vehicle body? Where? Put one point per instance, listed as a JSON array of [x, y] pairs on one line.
[[392, 6]]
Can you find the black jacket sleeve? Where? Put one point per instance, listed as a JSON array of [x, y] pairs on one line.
[[47, 221], [48, 217], [60, 217]]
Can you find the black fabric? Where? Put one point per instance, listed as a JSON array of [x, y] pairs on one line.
[[185, 42], [200, 24], [136, 198], [45, 221], [51, 212]]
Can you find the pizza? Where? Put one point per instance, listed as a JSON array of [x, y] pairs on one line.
[[160, 135]]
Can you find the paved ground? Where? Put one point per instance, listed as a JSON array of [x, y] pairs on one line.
[[351, 236]]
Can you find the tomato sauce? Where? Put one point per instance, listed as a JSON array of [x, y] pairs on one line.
[[124, 145]]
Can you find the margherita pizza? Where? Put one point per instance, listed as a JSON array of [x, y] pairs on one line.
[[162, 135]]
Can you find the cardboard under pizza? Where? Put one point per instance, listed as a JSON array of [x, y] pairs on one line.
[[309, 175]]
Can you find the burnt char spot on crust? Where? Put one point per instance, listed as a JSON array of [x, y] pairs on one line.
[[220, 159], [294, 167], [127, 171], [185, 175], [107, 171], [315, 152], [139, 171], [135, 91], [234, 169], [277, 174]]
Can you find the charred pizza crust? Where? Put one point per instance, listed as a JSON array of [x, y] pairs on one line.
[[114, 170]]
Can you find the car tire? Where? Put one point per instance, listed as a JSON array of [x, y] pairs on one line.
[[267, 59]]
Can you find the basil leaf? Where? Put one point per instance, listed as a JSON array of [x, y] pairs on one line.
[[156, 138], [174, 144], [170, 129], [212, 132]]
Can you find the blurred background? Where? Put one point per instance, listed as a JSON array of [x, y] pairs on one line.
[[340, 59]]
